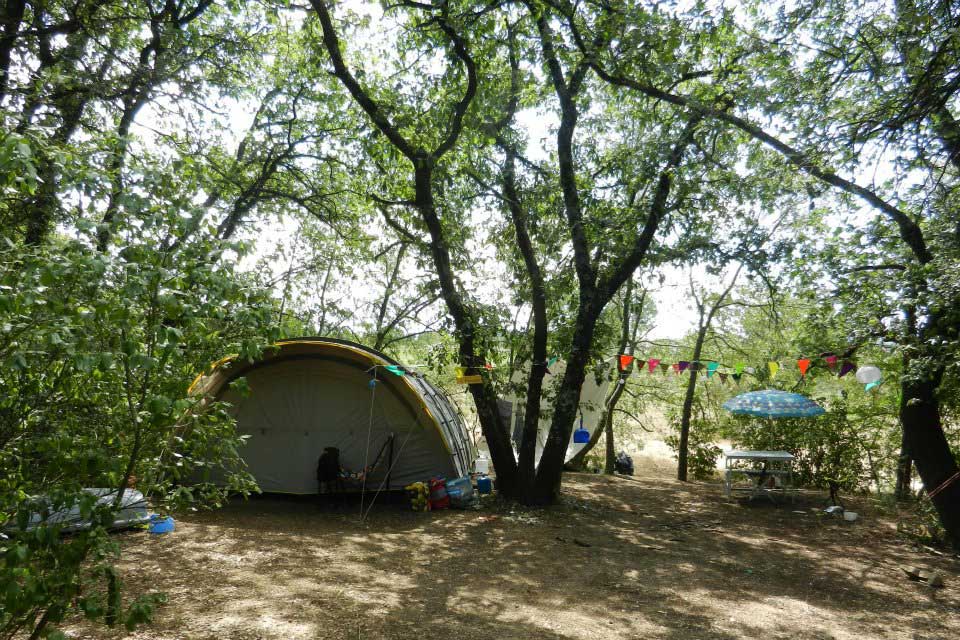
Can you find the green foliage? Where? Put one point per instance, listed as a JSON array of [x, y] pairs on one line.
[[94, 354]]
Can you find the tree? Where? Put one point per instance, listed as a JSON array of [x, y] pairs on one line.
[[705, 314], [602, 262], [843, 107]]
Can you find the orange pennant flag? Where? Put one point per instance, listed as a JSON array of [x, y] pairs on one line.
[[804, 364], [625, 362]]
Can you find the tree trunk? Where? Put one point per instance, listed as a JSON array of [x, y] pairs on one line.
[[925, 442], [484, 396], [687, 410], [11, 15], [547, 486], [610, 459], [904, 474]]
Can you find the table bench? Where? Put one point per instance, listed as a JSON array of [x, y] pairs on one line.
[[777, 465]]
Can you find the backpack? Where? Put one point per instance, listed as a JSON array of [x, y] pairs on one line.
[[328, 465], [623, 464]]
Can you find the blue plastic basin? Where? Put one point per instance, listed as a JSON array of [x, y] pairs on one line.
[[159, 524]]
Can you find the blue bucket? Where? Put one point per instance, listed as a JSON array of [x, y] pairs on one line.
[[484, 485], [159, 524]]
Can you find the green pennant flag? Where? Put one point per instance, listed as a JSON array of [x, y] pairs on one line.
[[738, 368]]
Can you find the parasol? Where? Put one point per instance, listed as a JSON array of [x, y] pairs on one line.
[[771, 403]]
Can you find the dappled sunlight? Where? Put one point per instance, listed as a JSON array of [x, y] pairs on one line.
[[620, 558]]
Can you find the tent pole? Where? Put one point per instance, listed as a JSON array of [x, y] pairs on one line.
[[366, 455], [393, 438]]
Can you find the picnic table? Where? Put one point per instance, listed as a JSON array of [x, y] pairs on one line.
[[765, 472]]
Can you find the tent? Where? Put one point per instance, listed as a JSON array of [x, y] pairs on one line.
[[592, 395], [133, 511], [307, 394]]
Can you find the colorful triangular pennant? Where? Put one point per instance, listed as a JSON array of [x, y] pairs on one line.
[[803, 364], [846, 368]]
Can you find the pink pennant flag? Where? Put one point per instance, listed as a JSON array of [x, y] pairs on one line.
[[831, 361], [652, 364], [804, 364]]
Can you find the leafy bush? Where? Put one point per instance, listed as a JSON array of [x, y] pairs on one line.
[[95, 354]]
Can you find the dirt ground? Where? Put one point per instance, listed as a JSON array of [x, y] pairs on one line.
[[641, 557]]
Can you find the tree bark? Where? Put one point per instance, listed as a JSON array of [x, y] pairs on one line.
[[610, 459], [526, 459], [682, 448], [11, 16], [547, 486], [926, 443], [903, 490]]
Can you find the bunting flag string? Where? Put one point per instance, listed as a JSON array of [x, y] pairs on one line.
[[737, 371], [868, 375]]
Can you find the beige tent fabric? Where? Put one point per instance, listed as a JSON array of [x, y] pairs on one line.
[[592, 395], [309, 394]]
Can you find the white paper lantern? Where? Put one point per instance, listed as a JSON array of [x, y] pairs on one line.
[[868, 374]]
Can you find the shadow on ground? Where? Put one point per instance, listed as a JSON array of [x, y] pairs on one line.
[[619, 558]]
